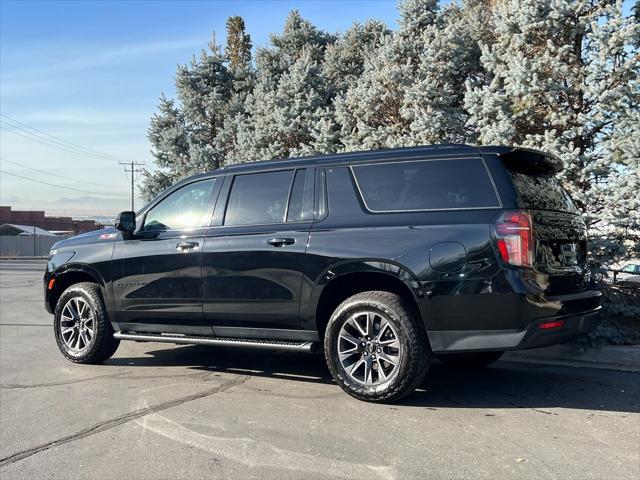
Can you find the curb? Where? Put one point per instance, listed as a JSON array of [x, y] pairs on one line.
[[615, 357]]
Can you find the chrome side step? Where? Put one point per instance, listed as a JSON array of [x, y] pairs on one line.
[[201, 340]]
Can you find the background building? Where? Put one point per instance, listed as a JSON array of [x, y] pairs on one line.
[[59, 225]]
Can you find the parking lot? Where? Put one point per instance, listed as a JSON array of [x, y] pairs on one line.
[[158, 411]]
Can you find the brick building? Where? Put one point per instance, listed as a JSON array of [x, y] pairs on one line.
[[39, 219]]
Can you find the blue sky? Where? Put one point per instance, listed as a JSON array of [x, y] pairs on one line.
[[91, 72]]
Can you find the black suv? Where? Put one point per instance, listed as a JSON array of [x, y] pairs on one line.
[[387, 258]]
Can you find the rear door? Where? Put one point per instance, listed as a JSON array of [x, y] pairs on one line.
[[254, 254]]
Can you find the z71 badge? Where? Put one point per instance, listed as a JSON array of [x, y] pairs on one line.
[[107, 236]]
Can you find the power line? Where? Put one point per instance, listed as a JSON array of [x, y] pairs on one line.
[[54, 145], [55, 175], [133, 170], [55, 185], [68, 144]]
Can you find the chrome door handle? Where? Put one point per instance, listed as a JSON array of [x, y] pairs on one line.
[[182, 246], [281, 242]]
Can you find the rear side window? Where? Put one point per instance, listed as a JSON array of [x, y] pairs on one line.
[[258, 198], [541, 192], [426, 185]]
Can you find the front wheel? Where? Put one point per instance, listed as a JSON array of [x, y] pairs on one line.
[[376, 348], [83, 331], [470, 360]]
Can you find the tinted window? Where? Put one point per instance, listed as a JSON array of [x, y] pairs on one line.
[[426, 185], [294, 214], [542, 192], [185, 208], [258, 198]]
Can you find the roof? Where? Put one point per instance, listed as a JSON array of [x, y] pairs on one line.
[[12, 230], [444, 149]]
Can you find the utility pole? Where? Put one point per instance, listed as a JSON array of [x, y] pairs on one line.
[[132, 170]]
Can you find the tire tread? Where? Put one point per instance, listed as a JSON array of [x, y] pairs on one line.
[[419, 349], [105, 345]]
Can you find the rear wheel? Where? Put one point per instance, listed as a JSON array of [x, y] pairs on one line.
[[376, 348], [83, 331], [469, 361]]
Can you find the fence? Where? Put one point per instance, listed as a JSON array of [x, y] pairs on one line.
[[622, 277], [27, 245], [618, 277]]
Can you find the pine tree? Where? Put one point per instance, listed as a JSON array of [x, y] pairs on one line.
[[344, 60], [564, 78], [412, 88], [560, 75], [281, 116], [238, 48], [185, 135], [416, 15], [448, 58], [170, 148], [289, 96]]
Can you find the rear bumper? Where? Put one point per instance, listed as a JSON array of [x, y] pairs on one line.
[[572, 326], [531, 337]]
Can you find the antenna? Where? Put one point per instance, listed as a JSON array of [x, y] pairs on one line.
[[132, 170]]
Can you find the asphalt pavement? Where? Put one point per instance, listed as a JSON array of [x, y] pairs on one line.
[[163, 411]]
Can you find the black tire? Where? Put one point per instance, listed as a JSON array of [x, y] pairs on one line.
[[470, 360], [102, 345], [414, 356]]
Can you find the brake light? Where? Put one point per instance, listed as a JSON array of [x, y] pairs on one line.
[[514, 238], [556, 324]]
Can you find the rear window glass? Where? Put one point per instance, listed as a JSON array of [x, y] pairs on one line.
[[542, 192], [426, 185]]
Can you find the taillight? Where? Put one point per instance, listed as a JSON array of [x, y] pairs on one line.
[[514, 238]]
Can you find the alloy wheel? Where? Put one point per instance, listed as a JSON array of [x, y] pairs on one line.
[[77, 325], [369, 348]]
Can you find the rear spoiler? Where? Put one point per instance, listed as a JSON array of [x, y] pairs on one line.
[[528, 161]]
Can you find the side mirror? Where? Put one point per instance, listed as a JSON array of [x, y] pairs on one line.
[[126, 222]]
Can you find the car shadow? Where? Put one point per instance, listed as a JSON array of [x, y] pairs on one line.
[[505, 384]]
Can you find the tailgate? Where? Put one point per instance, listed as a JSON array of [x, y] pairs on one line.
[[560, 233]]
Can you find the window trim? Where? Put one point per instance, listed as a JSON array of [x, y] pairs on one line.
[[370, 210], [304, 190], [213, 198], [284, 221]]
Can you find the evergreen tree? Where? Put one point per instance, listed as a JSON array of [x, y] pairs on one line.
[[184, 135], [289, 96], [281, 116], [238, 48], [344, 60], [564, 78], [412, 88], [170, 148], [559, 75]]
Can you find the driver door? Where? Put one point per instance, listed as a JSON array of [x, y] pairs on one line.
[[157, 282]]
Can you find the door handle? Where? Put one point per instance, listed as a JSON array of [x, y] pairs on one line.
[[281, 242], [182, 246]]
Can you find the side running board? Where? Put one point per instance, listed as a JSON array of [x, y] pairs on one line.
[[234, 342]]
